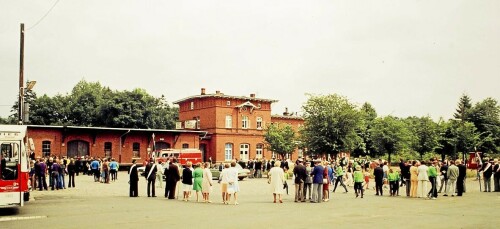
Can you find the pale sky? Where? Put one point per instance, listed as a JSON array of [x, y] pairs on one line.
[[406, 58]]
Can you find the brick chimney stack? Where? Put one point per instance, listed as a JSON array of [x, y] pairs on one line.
[[202, 91], [217, 92], [252, 95]]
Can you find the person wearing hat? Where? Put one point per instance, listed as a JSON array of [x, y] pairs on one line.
[[133, 180], [299, 171], [358, 181]]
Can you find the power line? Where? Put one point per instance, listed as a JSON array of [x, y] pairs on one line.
[[43, 17]]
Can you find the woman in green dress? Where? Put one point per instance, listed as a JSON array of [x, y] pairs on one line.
[[198, 180]]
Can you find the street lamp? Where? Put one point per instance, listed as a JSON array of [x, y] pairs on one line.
[[23, 108]]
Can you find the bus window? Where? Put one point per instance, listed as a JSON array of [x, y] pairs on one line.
[[8, 161]]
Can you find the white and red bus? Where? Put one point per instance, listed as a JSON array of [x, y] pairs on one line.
[[182, 155], [14, 166]]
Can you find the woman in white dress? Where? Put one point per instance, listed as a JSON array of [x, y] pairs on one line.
[[223, 180], [276, 178], [206, 185]]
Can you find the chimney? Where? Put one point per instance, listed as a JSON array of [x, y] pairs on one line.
[[202, 91], [286, 112], [252, 95], [217, 92]]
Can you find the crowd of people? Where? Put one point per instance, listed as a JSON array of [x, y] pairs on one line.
[[55, 169]]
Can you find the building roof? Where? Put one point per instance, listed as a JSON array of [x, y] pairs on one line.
[[287, 117], [118, 129], [223, 96]]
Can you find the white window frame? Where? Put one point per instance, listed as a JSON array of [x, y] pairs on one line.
[[46, 147], [229, 121], [244, 151], [228, 152], [228, 103], [259, 151], [259, 123], [192, 105], [245, 122]]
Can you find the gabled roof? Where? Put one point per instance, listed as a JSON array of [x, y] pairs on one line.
[[247, 104], [223, 96], [287, 117], [117, 129]]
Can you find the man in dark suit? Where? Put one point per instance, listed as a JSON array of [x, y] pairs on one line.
[[134, 180], [150, 173], [300, 176], [378, 172], [462, 170], [171, 178]]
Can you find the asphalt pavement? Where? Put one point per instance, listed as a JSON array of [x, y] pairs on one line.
[[97, 205]]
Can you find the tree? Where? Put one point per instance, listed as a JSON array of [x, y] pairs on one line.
[[446, 146], [466, 137], [84, 103], [330, 124], [49, 111], [463, 109], [486, 118], [368, 115], [389, 135], [424, 134], [280, 139]]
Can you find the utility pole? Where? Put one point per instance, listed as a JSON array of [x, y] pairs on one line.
[[21, 79]]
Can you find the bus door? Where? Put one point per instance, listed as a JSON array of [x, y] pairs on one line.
[[10, 177]]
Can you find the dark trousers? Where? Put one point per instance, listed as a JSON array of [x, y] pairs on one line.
[[170, 189], [460, 186], [113, 174], [408, 186], [307, 186], [496, 182], [341, 180], [433, 192], [378, 187], [71, 181], [55, 180], [393, 187], [151, 185], [42, 183], [134, 191], [97, 174]]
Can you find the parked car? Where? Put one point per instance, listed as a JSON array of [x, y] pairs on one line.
[[242, 173]]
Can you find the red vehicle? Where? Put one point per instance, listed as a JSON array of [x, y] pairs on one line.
[[182, 155], [14, 166], [474, 160]]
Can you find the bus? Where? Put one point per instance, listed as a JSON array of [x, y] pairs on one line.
[[14, 166]]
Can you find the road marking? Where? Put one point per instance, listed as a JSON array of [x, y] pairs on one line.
[[3, 219]]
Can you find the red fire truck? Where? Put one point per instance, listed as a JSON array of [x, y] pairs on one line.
[[14, 166], [182, 155]]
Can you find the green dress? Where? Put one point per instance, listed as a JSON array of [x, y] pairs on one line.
[[198, 179]]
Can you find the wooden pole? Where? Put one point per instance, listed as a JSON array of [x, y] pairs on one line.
[[21, 78]]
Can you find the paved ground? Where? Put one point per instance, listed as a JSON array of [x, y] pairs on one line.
[[96, 205]]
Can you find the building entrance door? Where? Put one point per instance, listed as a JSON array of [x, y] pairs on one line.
[[244, 148], [78, 148]]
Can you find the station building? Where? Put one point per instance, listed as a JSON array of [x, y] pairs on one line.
[[123, 144], [234, 125]]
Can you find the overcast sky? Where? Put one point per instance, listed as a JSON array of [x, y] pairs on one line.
[[406, 58]]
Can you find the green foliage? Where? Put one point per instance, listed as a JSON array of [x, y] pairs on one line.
[[390, 135], [424, 134], [486, 118], [280, 139], [463, 110], [368, 116], [91, 104], [331, 123]]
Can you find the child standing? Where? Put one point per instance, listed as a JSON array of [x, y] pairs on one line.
[[358, 181], [393, 178], [367, 179]]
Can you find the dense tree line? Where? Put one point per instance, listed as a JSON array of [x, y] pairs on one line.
[[91, 104], [333, 124]]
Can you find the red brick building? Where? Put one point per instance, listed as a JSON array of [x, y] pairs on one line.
[[120, 143], [234, 124]]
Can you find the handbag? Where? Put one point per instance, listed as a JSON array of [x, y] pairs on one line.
[[325, 181]]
